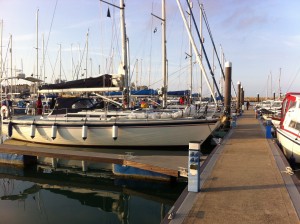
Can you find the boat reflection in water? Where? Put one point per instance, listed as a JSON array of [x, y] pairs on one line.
[[45, 196]]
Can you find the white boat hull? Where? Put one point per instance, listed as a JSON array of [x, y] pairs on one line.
[[289, 144], [128, 133]]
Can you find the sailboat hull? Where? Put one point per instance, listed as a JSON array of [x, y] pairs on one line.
[[115, 134]]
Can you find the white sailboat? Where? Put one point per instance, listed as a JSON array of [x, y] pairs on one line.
[[133, 129]]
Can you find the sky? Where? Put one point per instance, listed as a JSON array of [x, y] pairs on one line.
[[260, 38]]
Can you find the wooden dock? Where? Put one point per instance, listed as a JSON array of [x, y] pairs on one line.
[[163, 162], [244, 181]]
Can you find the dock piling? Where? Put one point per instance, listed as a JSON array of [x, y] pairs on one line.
[[84, 166], [227, 97], [238, 102], [54, 163]]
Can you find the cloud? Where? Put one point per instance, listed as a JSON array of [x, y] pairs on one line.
[[245, 18], [291, 41]]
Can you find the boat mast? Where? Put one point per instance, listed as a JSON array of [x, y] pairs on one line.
[[202, 40], [44, 72], [11, 73], [87, 52], [124, 54], [1, 65], [222, 61], [279, 90], [37, 44], [59, 63], [213, 69], [164, 57], [1, 71], [137, 74], [124, 62], [1, 76], [195, 49], [191, 51]]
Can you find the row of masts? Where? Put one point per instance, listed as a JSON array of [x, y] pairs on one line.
[[125, 66]]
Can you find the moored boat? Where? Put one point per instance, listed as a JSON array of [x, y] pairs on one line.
[[146, 128], [288, 132], [111, 132]]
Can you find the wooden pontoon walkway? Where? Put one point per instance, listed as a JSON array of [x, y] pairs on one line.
[[243, 182], [160, 161]]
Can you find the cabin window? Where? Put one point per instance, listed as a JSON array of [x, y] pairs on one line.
[[292, 104], [298, 126], [82, 104], [293, 124]]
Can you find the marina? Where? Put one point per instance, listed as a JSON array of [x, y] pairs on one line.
[[126, 112], [246, 168]]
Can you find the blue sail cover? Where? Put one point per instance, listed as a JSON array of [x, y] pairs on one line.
[[178, 93], [149, 92], [144, 92]]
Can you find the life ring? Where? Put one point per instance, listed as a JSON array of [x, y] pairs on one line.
[[4, 111]]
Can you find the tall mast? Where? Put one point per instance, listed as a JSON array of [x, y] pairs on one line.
[[91, 61], [202, 40], [213, 69], [1, 76], [222, 61], [1, 70], [271, 88], [137, 73], [279, 90], [141, 71], [37, 44], [87, 50], [59, 63], [44, 72], [191, 51], [195, 49], [124, 53], [72, 63], [11, 75], [164, 57]]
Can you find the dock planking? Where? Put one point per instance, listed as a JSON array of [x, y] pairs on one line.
[[243, 181], [151, 160]]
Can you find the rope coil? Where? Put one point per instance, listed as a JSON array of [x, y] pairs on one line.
[[290, 171]]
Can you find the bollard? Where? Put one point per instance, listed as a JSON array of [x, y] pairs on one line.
[[194, 167], [268, 129], [233, 123], [233, 120]]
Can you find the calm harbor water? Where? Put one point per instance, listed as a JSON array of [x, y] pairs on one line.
[[39, 195]]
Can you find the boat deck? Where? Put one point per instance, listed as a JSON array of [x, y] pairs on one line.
[[243, 182]]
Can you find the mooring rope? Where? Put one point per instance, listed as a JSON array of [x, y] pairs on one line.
[[290, 171]]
